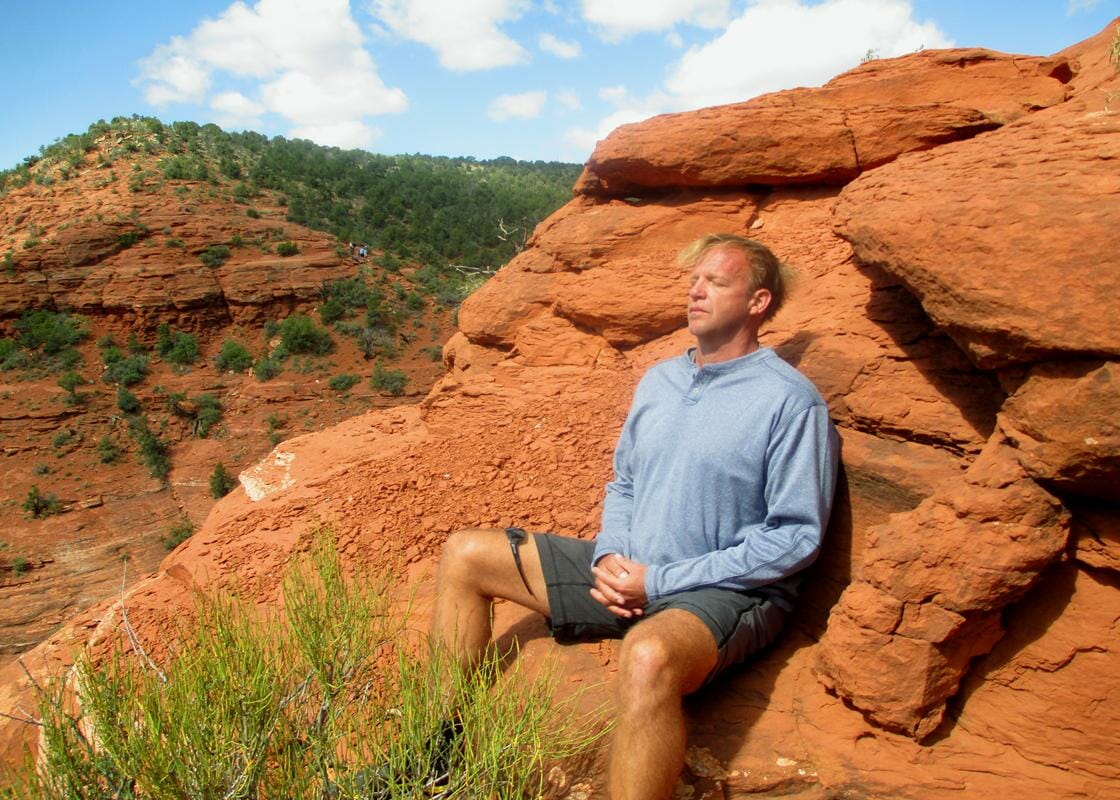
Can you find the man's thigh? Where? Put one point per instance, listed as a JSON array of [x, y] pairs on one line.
[[575, 616], [740, 623]]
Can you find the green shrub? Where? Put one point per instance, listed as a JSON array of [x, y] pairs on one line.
[[266, 368], [38, 505], [392, 381], [331, 311], [252, 213], [286, 249], [221, 482], [300, 334], [20, 565], [127, 401], [107, 451], [51, 331], [233, 357], [275, 429], [121, 369], [208, 414], [343, 383], [11, 357], [175, 243], [176, 346], [215, 255], [152, 450], [332, 698], [69, 382], [65, 438], [41, 468], [177, 534]]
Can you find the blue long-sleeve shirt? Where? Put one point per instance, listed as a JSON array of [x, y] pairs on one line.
[[723, 476]]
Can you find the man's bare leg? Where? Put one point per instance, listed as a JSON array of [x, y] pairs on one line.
[[476, 567], [663, 658]]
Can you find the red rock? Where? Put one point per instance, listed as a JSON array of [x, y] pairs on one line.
[[1065, 424], [970, 229], [865, 118]]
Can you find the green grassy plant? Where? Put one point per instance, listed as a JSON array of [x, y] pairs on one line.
[[233, 357], [330, 698]]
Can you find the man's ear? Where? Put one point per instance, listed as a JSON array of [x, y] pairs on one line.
[[759, 302]]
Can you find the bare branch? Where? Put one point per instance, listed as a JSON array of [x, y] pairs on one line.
[[132, 638]]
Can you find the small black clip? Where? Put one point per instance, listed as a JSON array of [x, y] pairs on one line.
[[517, 537]]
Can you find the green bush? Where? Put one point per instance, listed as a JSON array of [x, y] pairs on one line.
[[233, 357], [208, 414], [392, 381], [286, 249], [38, 505], [152, 450], [11, 357], [300, 334], [332, 698], [127, 401], [121, 369], [343, 383], [107, 451], [178, 533], [221, 482], [215, 255], [51, 331], [266, 368], [20, 565], [252, 213], [331, 311], [69, 382], [176, 346]]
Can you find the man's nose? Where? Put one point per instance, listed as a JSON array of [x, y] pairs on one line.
[[696, 290]]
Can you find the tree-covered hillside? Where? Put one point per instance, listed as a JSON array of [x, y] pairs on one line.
[[433, 210]]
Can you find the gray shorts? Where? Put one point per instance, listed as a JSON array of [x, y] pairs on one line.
[[741, 623]]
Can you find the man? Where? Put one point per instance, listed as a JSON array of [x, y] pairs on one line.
[[723, 479]]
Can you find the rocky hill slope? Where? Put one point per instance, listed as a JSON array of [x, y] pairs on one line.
[[951, 215]]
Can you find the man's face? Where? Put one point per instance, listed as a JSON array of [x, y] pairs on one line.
[[720, 303]]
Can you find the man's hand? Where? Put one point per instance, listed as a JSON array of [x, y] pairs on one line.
[[620, 585]]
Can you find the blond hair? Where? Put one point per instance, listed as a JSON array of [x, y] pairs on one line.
[[767, 272]]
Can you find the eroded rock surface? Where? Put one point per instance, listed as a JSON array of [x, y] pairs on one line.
[[956, 637]]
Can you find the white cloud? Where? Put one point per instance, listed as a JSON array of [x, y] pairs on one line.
[[780, 44], [772, 45], [173, 76], [464, 33], [617, 19], [558, 47], [1077, 6], [569, 99], [526, 105], [309, 63], [235, 110], [346, 134], [674, 40], [615, 95]]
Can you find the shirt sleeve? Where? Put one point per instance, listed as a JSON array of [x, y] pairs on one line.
[[618, 506], [800, 468]]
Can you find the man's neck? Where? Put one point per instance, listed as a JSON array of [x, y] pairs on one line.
[[708, 352]]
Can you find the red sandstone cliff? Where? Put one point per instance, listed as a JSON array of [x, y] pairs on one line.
[[65, 251], [952, 219]]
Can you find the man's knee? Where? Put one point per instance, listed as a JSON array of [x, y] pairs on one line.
[[465, 551], [671, 653], [648, 664]]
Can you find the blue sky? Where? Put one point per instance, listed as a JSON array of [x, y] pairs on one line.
[[535, 79]]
